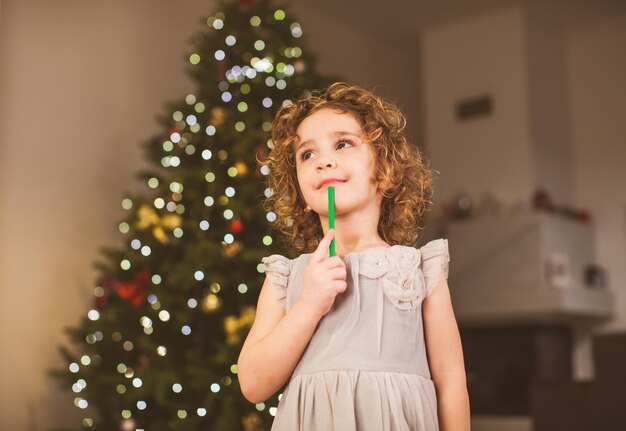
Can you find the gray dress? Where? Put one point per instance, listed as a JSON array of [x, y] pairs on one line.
[[365, 367]]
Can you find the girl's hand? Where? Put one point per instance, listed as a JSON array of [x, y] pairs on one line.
[[324, 278]]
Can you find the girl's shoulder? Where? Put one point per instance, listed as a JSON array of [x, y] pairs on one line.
[[381, 258], [403, 256]]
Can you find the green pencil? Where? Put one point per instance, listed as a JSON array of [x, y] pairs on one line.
[[331, 216]]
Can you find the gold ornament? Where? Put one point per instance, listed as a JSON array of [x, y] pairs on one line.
[[211, 303], [218, 116], [242, 168], [247, 316], [159, 234], [252, 422], [231, 250], [127, 425], [147, 217], [233, 325]]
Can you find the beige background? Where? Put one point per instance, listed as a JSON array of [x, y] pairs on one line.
[[82, 81]]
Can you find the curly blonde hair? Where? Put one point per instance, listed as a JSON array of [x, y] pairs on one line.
[[404, 178]]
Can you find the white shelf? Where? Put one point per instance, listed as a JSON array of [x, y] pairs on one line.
[[498, 271]]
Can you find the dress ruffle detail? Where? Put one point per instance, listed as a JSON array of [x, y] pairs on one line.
[[407, 275], [397, 269], [435, 260], [277, 269]]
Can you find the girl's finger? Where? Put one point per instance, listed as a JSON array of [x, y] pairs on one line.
[[321, 252], [337, 274], [334, 262]]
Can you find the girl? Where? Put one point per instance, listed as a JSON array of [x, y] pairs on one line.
[[367, 338]]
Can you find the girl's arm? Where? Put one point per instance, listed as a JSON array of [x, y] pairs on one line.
[[274, 345], [277, 338], [445, 357]]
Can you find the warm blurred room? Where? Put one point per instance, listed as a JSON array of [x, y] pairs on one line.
[[520, 105]]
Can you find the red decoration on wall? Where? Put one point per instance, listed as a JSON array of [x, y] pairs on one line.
[[542, 200]]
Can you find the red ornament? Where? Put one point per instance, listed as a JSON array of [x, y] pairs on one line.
[[222, 67], [246, 4], [143, 363], [236, 226], [133, 291], [101, 302]]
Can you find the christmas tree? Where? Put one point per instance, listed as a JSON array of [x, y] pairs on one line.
[[173, 304]]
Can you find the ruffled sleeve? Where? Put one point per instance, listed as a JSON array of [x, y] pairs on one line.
[[435, 260], [277, 269]]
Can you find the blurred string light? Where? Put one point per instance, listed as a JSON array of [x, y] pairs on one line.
[[194, 58], [296, 30]]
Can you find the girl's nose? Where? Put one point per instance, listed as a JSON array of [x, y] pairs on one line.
[[325, 162]]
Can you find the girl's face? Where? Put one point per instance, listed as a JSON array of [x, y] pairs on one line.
[[330, 151]]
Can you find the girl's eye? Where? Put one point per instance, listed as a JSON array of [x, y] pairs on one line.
[[343, 143]]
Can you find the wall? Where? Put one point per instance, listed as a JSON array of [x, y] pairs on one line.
[[479, 55]]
